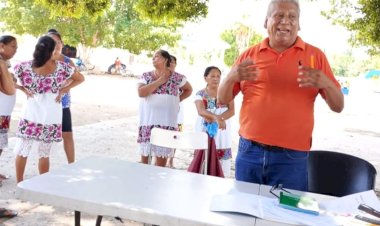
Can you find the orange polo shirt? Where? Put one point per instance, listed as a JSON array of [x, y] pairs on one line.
[[275, 110]]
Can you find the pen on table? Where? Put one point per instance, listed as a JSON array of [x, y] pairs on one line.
[[312, 61], [369, 210]]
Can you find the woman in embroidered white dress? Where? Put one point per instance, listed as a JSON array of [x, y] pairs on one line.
[[40, 124], [210, 111], [159, 105]]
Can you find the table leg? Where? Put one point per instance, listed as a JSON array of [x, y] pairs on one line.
[[77, 218], [98, 220]]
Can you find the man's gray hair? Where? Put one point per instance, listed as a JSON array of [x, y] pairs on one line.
[[272, 2]]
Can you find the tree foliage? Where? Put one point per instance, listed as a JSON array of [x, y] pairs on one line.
[[169, 11], [74, 8], [362, 19], [116, 26], [343, 65], [349, 65], [132, 33], [231, 53], [239, 38]]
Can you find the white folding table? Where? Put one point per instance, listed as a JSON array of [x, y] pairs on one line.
[[155, 195]]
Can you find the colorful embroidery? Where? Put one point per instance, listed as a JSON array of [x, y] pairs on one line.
[[224, 154], [40, 132], [209, 102], [43, 84], [170, 87], [4, 122]]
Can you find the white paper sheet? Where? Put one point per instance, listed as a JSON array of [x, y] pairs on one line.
[[238, 202], [269, 209], [349, 204]]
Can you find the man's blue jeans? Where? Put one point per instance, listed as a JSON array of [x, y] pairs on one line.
[[271, 166]]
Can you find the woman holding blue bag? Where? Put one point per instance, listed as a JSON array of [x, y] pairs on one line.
[[214, 118]]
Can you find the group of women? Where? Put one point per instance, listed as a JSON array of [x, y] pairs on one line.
[[49, 76], [45, 80], [161, 91]]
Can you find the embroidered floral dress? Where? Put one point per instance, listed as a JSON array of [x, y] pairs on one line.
[[160, 109], [40, 125], [223, 138]]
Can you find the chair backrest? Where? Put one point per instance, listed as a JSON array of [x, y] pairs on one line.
[[339, 174], [179, 140]]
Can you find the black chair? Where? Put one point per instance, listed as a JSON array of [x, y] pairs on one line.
[[338, 174]]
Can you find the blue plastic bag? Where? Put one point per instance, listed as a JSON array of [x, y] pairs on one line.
[[211, 128]]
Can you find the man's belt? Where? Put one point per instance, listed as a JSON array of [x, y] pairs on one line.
[[267, 146]]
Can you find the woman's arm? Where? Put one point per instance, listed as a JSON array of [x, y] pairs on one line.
[[202, 111], [6, 82], [145, 90], [186, 91], [76, 79], [211, 117]]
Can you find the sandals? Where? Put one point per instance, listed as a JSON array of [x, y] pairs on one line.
[[6, 213], [4, 177]]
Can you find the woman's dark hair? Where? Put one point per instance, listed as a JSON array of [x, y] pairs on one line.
[[66, 50], [69, 51], [43, 51], [208, 69], [173, 58], [53, 31], [73, 52], [6, 39], [165, 54]]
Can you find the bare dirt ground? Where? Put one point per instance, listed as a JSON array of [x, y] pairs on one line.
[[104, 112]]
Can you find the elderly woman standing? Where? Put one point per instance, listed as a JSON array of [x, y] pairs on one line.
[[7, 87], [210, 111], [6, 82], [8, 48], [159, 105], [40, 124]]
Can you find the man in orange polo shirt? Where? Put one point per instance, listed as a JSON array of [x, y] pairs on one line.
[[280, 79]]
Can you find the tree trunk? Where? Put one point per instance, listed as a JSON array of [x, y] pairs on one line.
[[84, 52]]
